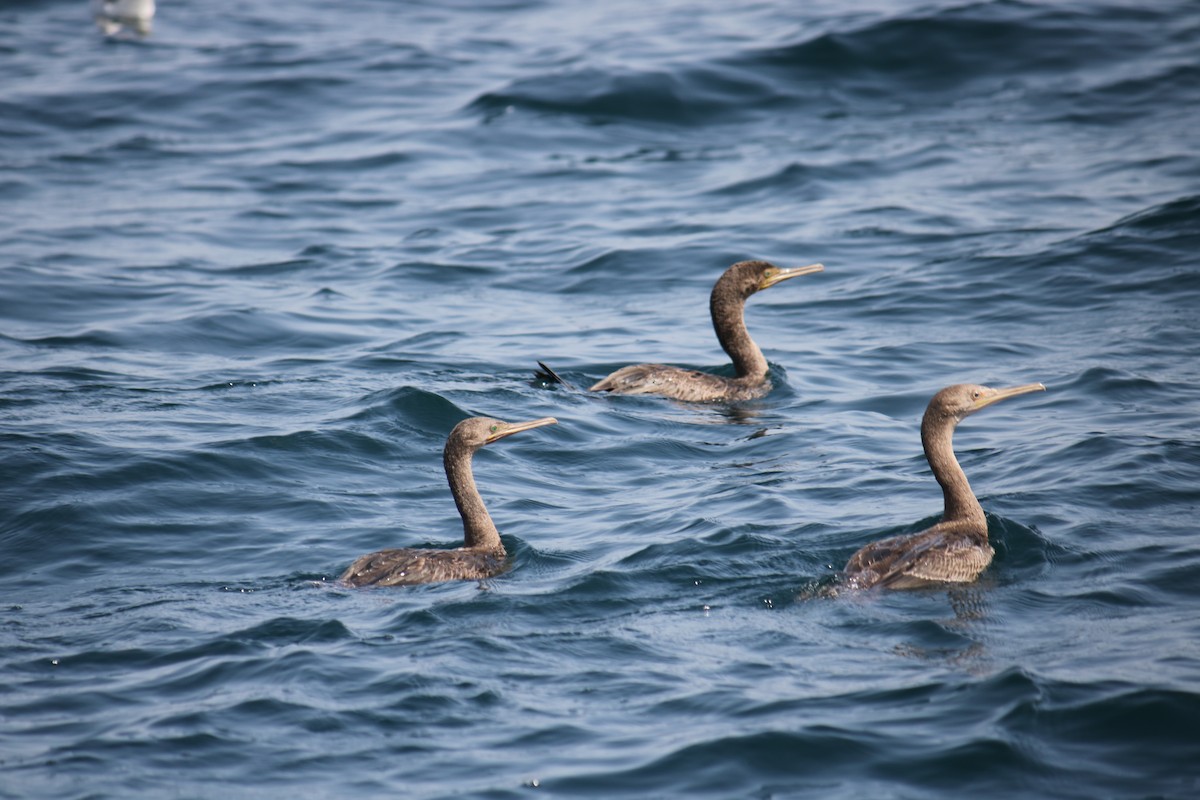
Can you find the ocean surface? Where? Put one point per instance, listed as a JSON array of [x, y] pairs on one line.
[[256, 262]]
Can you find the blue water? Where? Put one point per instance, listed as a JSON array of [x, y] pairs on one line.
[[255, 265]]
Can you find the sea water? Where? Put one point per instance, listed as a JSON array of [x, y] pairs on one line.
[[259, 258]]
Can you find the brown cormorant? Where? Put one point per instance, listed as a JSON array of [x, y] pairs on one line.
[[727, 305], [956, 550], [482, 554]]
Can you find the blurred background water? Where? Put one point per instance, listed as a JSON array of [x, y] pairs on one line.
[[259, 259]]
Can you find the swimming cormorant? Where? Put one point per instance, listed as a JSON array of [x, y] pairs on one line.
[[482, 554], [956, 550], [727, 305]]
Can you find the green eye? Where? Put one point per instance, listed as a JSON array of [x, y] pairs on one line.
[[495, 428]]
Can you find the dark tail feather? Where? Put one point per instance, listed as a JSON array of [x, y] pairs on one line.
[[547, 375]]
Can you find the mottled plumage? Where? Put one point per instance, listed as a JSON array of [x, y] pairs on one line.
[[482, 554], [727, 306], [956, 550], [948, 552], [682, 384], [407, 566]]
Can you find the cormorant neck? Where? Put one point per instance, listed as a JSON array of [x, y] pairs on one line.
[[728, 317], [937, 433], [478, 529]]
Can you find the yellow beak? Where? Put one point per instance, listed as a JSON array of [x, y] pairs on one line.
[[509, 428], [780, 275], [996, 395]]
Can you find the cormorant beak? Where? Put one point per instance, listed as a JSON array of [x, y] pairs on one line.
[[779, 275], [996, 395], [509, 428]]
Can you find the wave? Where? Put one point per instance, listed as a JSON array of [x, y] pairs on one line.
[[683, 96], [962, 52], [951, 47]]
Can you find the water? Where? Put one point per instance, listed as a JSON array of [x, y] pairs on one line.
[[256, 264]]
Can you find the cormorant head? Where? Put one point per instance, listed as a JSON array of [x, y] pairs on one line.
[[963, 399], [475, 432], [747, 277]]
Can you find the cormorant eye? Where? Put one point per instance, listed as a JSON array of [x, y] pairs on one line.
[[495, 428]]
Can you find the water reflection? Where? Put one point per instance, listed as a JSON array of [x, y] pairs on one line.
[[969, 605]]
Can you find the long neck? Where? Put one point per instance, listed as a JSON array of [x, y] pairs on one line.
[[478, 528], [728, 319], [960, 502]]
